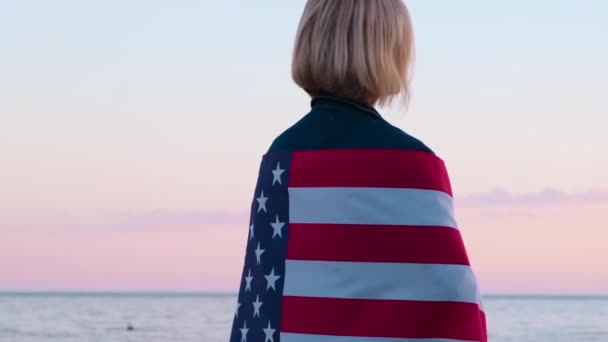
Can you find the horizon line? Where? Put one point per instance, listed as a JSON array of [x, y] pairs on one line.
[[208, 293]]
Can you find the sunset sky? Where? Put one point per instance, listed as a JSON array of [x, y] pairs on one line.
[[131, 134]]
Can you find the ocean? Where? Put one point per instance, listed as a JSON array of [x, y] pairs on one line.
[[168, 317]]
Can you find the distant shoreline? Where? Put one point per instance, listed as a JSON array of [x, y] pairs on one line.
[[149, 293]]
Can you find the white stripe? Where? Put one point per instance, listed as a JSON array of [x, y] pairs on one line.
[[387, 206], [390, 281], [287, 337]]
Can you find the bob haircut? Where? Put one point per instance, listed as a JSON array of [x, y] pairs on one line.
[[360, 50]]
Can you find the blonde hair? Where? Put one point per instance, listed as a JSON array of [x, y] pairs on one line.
[[361, 50]]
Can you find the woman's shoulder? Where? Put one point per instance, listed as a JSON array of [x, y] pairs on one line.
[[324, 128], [405, 140], [363, 153]]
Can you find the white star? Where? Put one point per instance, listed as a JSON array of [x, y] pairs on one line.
[[244, 332], [269, 332], [238, 305], [277, 226], [256, 306], [251, 232], [262, 202], [276, 174], [248, 280], [271, 280], [258, 253]]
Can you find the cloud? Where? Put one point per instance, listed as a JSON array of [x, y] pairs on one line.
[[494, 203], [162, 219], [179, 218], [550, 196]]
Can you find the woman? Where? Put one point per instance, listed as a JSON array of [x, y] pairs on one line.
[[352, 234]]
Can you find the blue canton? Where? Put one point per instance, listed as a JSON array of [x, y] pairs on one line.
[[258, 311]]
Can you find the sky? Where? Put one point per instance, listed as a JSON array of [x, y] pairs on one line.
[[131, 135]]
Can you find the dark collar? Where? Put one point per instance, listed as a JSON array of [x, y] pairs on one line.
[[338, 102]]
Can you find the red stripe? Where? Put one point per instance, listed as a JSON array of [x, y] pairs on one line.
[[369, 168], [484, 328], [381, 318], [375, 243]]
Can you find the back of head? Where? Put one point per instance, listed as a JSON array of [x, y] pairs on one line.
[[360, 50]]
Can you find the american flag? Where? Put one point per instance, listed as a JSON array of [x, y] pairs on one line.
[[356, 245]]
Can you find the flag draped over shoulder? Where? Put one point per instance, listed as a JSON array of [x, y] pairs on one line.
[[356, 245]]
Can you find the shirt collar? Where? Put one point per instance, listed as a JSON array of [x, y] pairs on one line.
[[334, 101]]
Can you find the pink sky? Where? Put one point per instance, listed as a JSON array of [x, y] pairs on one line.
[[533, 243], [129, 152]]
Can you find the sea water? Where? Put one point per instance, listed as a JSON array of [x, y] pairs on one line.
[[164, 317]]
